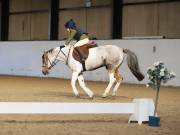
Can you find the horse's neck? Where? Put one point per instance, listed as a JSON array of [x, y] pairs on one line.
[[64, 54], [67, 49], [52, 55]]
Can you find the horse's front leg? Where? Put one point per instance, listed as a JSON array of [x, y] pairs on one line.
[[73, 83], [83, 86]]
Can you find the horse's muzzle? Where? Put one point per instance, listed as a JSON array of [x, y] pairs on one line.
[[45, 71]]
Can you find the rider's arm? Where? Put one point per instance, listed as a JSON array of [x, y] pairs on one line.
[[71, 35]]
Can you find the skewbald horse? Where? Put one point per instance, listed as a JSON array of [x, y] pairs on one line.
[[109, 56]]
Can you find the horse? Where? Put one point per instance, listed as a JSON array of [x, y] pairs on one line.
[[108, 56]]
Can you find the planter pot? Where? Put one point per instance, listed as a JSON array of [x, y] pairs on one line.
[[154, 121]]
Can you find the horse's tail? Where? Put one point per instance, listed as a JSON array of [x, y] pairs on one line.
[[133, 65]]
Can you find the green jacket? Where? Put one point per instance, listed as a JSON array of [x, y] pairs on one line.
[[75, 35]]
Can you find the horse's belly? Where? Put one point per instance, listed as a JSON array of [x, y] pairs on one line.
[[90, 65], [94, 60]]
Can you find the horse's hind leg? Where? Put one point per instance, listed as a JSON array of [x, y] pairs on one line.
[[83, 86], [119, 79], [111, 82]]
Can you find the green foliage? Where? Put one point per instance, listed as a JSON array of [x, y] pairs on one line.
[[158, 74]]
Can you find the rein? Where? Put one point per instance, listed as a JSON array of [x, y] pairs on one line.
[[52, 64], [55, 61], [67, 56]]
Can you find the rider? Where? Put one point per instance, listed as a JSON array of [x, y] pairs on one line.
[[75, 33], [81, 37]]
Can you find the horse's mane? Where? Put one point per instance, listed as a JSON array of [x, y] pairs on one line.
[[50, 51], [45, 54]]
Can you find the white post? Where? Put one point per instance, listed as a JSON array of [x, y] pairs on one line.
[[143, 109]]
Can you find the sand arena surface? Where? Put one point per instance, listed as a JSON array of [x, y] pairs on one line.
[[58, 90]]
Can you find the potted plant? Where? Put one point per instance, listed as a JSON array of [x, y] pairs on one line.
[[157, 74]]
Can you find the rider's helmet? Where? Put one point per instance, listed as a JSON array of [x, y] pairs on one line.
[[70, 24]]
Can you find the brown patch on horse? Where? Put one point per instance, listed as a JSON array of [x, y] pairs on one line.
[[117, 75]]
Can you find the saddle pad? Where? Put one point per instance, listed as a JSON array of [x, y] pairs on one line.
[[81, 53]]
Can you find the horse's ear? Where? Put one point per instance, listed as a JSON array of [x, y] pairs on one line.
[[62, 46]]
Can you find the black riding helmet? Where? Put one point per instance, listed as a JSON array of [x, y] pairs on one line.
[[70, 24]]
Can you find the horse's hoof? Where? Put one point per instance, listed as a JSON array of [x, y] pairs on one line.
[[77, 95], [91, 96], [113, 94], [104, 96]]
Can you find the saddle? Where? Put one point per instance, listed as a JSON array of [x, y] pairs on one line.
[[81, 53]]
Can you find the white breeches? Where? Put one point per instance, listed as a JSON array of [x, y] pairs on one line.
[[82, 42]]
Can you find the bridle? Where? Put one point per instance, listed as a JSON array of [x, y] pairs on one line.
[[52, 64]]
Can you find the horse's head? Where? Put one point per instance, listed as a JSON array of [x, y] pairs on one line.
[[45, 63], [51, 57]]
